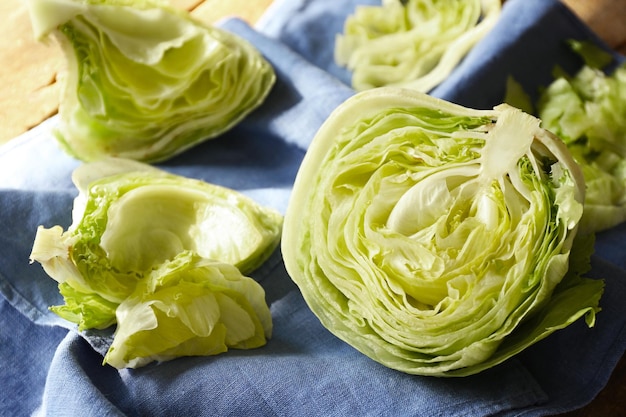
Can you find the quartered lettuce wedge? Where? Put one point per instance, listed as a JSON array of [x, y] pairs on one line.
[[434, 238], [138, 233], [144, 80], [411, 43]]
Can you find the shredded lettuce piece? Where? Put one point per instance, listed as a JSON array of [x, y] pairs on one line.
[[145, 81], [414, 43], [436, 239], [163, 257], [586, 111]]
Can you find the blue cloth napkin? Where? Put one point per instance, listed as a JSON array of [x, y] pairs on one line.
[[48, 368]]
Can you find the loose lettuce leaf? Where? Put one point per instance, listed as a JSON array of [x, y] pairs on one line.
[[189, 306], [145, 81], [129, 218], [414, 43], [434, 238], [587, 111]]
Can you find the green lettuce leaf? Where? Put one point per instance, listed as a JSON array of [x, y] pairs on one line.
[[145, 81], [434, 238], [587, 111]]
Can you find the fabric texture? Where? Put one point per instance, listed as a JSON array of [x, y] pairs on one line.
[[48, 368]]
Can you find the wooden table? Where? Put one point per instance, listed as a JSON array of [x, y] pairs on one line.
[[25, 104]]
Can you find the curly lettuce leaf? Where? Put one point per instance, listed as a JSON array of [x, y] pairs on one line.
[[189, 306]]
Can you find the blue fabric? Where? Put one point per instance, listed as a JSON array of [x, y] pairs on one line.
[[47, 368]]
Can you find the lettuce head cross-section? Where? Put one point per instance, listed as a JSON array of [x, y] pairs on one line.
[[436, 239], [164, 257], [411, 43], [145, 81]]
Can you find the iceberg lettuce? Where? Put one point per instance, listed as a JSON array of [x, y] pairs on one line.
[[437, 239], [148, 250], [411, 43]]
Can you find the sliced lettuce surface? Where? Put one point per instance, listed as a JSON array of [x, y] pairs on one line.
[[436, 239]]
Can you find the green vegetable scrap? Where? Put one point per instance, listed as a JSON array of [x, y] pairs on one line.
[[587, 111], [145, 81], [149, 250], [189, 306], [414, 43], [436, 239]]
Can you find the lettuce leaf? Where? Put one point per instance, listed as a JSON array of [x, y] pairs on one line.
[[189, 306]]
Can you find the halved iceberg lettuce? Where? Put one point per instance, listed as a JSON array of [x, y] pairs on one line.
[[434, 238]]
